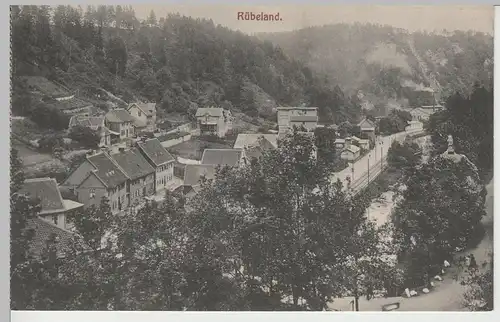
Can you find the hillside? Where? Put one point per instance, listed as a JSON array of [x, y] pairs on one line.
[[389, 65], [105, 56]]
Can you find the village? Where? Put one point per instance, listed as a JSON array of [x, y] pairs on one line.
[[137, 162]]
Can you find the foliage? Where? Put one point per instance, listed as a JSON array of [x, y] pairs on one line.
[[479, 289], [48, 117], [50, 143], [395, 122], [86, 136], [442, 207], [325, 144], [387, 63], [470, 121], [404, 156], [179, 62]]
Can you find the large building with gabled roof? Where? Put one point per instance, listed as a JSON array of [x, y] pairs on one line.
[[97, 177], [160, 159], [53, 208], [140, 173]]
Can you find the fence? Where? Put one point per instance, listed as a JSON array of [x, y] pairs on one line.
[[187, 127], [179, 140]]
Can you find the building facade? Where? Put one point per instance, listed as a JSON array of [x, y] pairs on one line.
[[286, 113], [161, 161], [145, 114], [54, 209], [140, 173], [120, 123], [212, 121]]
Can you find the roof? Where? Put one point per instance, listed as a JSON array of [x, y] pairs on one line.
[[156, 153], [107, 170], [339, 141], [229, 157], [212, 111], [119, 116], [245, 140], [304, 118], [133, 163], [47, 191], [333, 126], [286, 108], [147, 108], [355, 138], [139, 123], [352, 148], [194, 172], [86, 121], [366, 123], [43, 231]]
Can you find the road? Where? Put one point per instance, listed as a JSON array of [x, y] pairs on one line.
[[369, 166], [448, 294]]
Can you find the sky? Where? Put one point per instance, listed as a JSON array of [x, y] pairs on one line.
[[296, 16]]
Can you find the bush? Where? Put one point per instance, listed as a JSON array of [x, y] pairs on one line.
[[87, 137], [49, 143], [49, 117]]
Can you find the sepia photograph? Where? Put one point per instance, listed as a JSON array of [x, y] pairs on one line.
[[291, 157]]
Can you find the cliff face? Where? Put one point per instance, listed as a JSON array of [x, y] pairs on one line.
[[393, 63]]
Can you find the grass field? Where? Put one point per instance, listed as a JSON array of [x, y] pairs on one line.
[[28, 156]]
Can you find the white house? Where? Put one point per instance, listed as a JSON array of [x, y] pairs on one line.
[[213, 121], [145, 115], [368, 127], [286, 114], [339, 143], [351, 153]]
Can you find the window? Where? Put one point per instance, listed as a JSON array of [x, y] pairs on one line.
[[139, 113], [92, 193], [123, 132], [55, 219]]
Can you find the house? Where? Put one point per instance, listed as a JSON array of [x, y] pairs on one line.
[[99, 176], [246, 140], [256, 150], [212, 121], [160, 159], [414, 125], [229, 157], [285, 113], [145, 116], [351, 153], [140, 173], [193, 174], [307, 122], [96, 123], [120, 123], [364, 144], [339, 144], [54, 208], [367, 127]]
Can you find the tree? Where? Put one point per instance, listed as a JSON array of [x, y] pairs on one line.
[[325, 143], [22, 210], [441, 210], [479, 289], [282, 227], [404, 156], [86, 136], [470, 121], [152, 19]]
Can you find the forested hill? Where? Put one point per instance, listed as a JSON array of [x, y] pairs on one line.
[[384, 62], [179, 62]]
